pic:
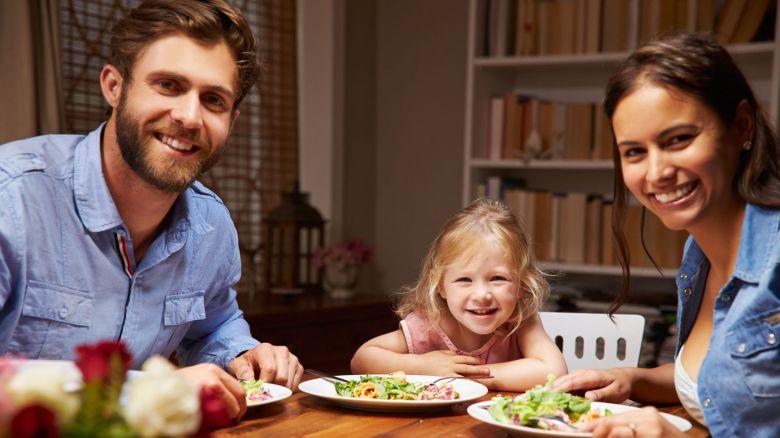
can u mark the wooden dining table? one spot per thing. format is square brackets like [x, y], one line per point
[305, 415]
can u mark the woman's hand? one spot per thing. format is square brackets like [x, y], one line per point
[449, 363]
[612, 385]
[645, 422]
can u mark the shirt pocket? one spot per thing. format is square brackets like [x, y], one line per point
[180, 311]
[755, 345]
[53, 320]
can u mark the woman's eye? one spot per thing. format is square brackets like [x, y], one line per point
[632, 152]
[679, 139]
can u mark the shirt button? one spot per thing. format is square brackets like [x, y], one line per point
[63, 313]
[771, 338]
[741, 348]
[683, 276]
[687, 291]
[707, 402]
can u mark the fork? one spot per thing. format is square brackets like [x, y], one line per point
[325, 375]
[558, 421]
[550, 418]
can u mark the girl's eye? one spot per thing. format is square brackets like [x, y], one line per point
[463, 280]
[498, 278]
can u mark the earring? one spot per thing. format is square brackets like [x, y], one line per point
[747, 145]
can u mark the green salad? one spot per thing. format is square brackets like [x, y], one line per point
[526, 409]
[254, 390]
[395, 387]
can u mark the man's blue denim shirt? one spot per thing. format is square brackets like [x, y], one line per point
[62, 277]
[739, 380]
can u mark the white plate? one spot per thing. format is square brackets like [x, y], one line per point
[478, 411]
[278, 393]
[468, 390]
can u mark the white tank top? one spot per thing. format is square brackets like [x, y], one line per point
[686, 391]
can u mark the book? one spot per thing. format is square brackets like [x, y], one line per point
[728, 19]
[496, 131]
[542, 228]
[593, 229]
[705, 15]
[608, 242]
[603, 143]
[750, 21]
[614, 20]
[573, 228]
[578, 131]
[593, 26]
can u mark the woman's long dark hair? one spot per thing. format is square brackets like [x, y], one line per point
[696, 65]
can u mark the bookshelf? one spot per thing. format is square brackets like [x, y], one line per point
[570, 73]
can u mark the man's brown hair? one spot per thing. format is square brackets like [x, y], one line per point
[206, 21]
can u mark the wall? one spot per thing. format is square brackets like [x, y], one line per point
[404, 181]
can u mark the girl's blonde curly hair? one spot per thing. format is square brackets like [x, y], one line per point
[483, 219]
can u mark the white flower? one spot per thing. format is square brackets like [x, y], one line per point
[45, 384]
[160, 402]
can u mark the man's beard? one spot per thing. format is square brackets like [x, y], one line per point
[162, 172]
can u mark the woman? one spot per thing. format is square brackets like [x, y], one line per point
[695, 149]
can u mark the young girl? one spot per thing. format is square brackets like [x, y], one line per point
[473, 311]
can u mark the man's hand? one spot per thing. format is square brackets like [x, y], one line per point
[449, 363]
[275, 364]
[211, 376]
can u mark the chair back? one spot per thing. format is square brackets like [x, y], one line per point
[592, 340]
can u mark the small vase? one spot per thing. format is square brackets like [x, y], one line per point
[340, 280]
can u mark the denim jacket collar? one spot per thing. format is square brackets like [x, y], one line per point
[756, 246]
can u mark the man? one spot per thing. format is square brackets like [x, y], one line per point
[108, 236]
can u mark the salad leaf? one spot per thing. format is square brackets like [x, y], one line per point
[541, 401]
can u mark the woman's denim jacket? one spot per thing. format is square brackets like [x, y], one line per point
[739, 380]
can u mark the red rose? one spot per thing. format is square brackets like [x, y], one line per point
[95, 361]
[213, 413]
[34, 421]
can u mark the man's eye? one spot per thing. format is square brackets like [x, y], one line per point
[215, 102]
[167, 85]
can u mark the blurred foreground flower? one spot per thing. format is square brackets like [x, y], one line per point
[161, 402]
[34, 401]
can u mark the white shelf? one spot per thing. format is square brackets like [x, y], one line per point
[740, 52]
[580, 60]
[480, 163]
[605, 270]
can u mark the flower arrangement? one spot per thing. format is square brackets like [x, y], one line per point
[36, 401]
[343, 255]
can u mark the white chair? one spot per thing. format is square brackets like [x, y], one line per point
[592, 340]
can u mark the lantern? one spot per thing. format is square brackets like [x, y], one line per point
[293, 233]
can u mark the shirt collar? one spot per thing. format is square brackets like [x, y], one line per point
[757, 242]
[94, 203]
[96, 206]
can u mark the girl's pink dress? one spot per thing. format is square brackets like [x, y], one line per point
[422, 337]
